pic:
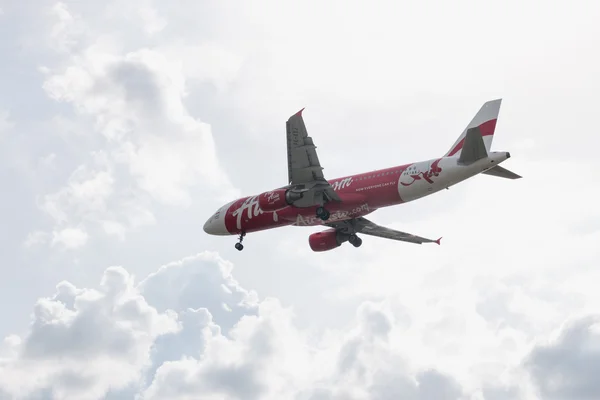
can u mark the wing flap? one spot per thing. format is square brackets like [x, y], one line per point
[364, 226]
[370, 228]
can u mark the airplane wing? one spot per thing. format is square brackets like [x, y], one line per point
[363, 225]
[304, 168]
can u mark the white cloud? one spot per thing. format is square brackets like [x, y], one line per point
[123, 339]
[567, 368]
[64, 34]
[70, 238]
[89, 198]
[35, 238]
[86, 194]
[197, 282]
[153, 22]
[114, 228]
[136, 102]
[48, 161]
[151, 147]
[217, 64]
[84, 341]
[164, 342]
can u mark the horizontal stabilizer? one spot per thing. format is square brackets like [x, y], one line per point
[473, 148]
[501, 172]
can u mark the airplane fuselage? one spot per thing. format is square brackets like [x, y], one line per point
[361, 194]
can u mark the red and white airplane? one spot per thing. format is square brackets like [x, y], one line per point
[341, 204]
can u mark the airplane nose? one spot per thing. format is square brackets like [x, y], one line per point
[206, 226]
[215, 226]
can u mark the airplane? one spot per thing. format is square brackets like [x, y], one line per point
[342, 203]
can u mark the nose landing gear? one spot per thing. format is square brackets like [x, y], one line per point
[239, 246]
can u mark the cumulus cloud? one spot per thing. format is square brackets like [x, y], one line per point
[193, 283]
[169, 336]
[568, 367]
[68, 27]
[149, 149]
[70, 238]
[35, 238]
[82, 342]
[125, 337]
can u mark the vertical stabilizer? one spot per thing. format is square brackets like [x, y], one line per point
[485, 121]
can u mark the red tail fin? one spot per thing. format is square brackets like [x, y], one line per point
[485, 119]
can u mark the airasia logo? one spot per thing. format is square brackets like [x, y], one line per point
[250, 208]
[272, 197]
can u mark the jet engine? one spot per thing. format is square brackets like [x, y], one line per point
[331, 238]
[275, 200]
[326, 240]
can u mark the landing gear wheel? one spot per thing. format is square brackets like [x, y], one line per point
[323, 213]
[239, 244]
[355, 240]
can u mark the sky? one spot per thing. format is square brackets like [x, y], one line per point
[125, 125]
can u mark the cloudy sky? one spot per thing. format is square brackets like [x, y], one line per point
[124, 125]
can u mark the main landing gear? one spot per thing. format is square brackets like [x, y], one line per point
[355, 240]
[239, 244]
[322, 213]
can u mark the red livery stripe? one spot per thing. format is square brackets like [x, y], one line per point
[487, 129]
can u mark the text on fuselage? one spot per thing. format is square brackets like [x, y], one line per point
[342, 183]
[272, 197]
[250, 204]
[254, 210]
[335, 216]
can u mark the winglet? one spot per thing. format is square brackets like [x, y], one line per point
[438, 241]
[299, 113]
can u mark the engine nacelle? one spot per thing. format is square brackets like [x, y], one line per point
[275, 200]
[326, 240]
